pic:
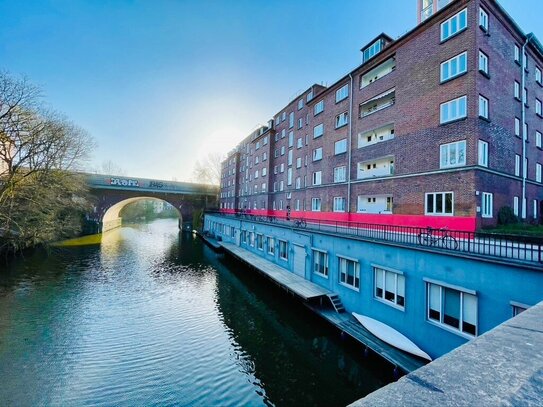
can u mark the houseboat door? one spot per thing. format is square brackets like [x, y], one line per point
[299, 260]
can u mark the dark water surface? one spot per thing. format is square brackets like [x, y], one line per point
[153, 317]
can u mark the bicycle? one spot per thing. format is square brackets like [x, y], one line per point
[429, 238]
[300, 223]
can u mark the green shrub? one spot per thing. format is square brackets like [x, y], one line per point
[506, 216]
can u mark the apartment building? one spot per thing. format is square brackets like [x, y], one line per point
[440, 127]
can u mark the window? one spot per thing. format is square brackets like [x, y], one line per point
[299, 162]
[320, 262]
[317, 178]
[538, 75]
[538, 107]
[291, 120]
[453, 110]
[340, 146]
[318, 130]
[289, 157]
[298, 183]
[515, 205]
[340, 174]
[342, 93]
[372, 50]
[483, 107]
[318, 108]
[517, 90]
[265, 141]
[309, 96]
[483, 153]
[339, 204]
[244, 236]
[283, 133]
[271, 245]
[454, 25]
[452, 308]
[281, 185]
[517, 54]
[259, 242]
[299, 143]
[483, 19]
[342, 120]
[535, 208]
[517, 165]
[517, 127]
[486, 210]
[483, 62]
[454, 66]
[518, 308]
[290, 139]
[283, 250]
[315, 204]
[252, 239]
[282, 150]
[389, 286]
[452, 154]
[289, 176]
[538, 139]
[349, 272]
[317, 154]
[439, 203]
[300, 123]
[538, 172]
[300, 104]
[256, 160]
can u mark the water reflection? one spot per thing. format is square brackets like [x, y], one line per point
[152, 317]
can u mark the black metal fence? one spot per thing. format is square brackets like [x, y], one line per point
[515, 247]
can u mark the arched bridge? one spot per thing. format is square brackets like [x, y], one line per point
[113, 193]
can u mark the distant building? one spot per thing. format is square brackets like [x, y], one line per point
[427, 131]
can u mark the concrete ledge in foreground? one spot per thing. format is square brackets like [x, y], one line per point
[503, 367]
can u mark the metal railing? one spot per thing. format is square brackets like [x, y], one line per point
[513, 247]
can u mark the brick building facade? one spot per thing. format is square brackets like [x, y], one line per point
[427, 131]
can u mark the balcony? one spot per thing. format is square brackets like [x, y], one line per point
[378, 72]
[375, 136]
[377, 103]
[382, 167]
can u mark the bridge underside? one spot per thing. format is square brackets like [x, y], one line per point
[109, 203]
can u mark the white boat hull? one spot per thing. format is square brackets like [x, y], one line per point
[390, 336]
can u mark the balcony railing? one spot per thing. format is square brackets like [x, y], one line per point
[376, 108]
[525, 249]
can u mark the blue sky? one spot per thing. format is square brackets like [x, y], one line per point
[160, 83]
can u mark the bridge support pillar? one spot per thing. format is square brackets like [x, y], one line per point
[111, 224]
[185, 226]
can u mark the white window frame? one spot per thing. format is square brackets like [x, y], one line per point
[320, 262]
[434, 211]
[483, 107]
[538, 75]
[340, 173]
[538, 172]
[517, 53]
[487, 205]
[342, 119]
[340, 146]
[445, 154]
[380, 276]
[454, 67]
[483, 19]
[517, 90]
[317, 178]
[455, 22]
[317, 154]
[283, 243]
[318, 130]
[270, 242]
[538, 139]
[517, 165]
[342, 93]
[318, 108]
[482, 152]
[483, 62]
[300, 104]
[515, 205]
[339, 204]
[538, 107]
[454, 109]
[316, 205]
[517, 127]
[343, 272]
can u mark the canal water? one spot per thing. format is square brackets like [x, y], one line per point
[154, 317]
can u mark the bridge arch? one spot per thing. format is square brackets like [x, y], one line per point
[112, 219]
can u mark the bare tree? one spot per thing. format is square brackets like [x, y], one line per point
[41, 151]
[208, 170]
[110, 168]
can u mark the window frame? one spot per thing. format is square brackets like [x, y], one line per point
[337, 171]
[448, 147]
[318, 108]
[484, 104]
[343, 141]
[356, 272]
[443, 200]
[321, 129]
[382, 298]
[342, 93]
[449, 22]
[316, 205]
[458, 116]
[285, 244]
[448, 65]
[487, 205]
[462, 292]
[339, 199]
[483, 19]
[322, 255]
[482, 156]
[271, 247]
[486, 68]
